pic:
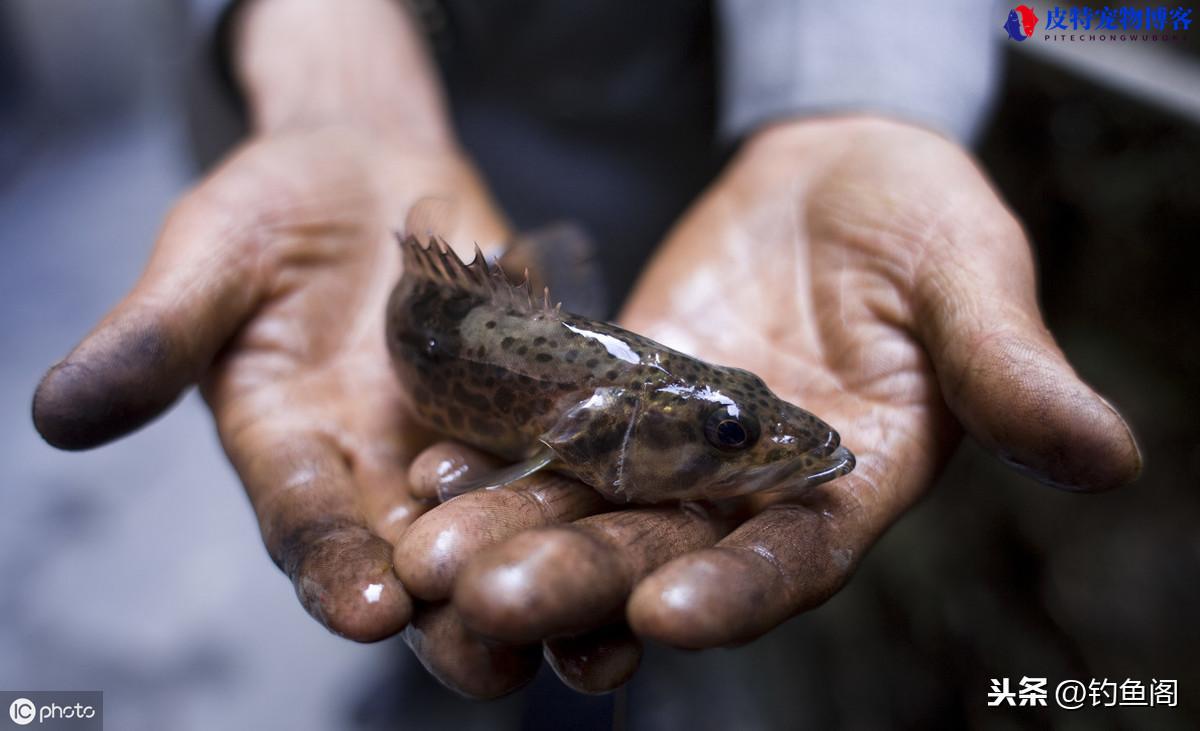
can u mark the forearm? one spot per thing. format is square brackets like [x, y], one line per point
[311, 62]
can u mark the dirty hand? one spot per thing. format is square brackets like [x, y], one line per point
[869, 273]
[267, 287]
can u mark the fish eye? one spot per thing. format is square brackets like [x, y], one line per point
[730, 431]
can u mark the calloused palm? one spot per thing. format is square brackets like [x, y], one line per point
[267, 287]
[867, 271]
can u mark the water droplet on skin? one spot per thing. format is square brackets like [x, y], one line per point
[302, 477]
[399, 514]
[512, 579]
[372, 593]
[842, 558]
[680, 596]
[444, 543]
[448, 471]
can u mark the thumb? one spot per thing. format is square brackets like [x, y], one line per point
[1004, 377]
[464, 220]
[199, 286]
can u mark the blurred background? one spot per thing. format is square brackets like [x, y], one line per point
[137, 568]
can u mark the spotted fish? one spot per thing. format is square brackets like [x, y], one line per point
[485, 362]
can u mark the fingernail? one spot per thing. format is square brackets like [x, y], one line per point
[1085, 465]
[1137, 450]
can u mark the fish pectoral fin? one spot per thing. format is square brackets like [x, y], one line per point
[499, 477]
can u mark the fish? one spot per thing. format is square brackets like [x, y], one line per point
[485, 362]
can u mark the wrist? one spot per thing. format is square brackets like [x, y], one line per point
[306, 63]
[817, 131]
[805, 148]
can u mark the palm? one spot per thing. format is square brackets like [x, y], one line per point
[795, 289]
[310, 366]
[268, 287]
[307, 405]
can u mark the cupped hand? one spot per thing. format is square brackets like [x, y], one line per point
[267, 288]
[869, 273]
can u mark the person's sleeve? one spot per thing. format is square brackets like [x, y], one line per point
[930, 62]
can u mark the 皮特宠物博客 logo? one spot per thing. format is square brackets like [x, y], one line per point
[1021, 22]
[1108, 23]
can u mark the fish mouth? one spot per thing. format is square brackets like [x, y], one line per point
[839, 462]
[796, 480]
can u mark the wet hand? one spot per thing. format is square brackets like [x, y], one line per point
[267, 288]
[868, 272]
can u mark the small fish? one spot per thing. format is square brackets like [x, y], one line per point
[486, 363]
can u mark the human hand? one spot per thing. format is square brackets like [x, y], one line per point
[868, 272]
[267, 287]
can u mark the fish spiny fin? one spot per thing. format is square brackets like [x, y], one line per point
[439, 263]
[448, 263]
[479, 270]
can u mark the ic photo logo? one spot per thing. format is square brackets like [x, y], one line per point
[52, 710]
[22, 711]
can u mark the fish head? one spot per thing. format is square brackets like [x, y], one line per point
[681, 441]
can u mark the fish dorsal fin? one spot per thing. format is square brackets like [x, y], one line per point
[437, 262]
[563, 256]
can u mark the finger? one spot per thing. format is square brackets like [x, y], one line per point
[197, 289]
[467, 218]
[569, 579]
[443, 464]
[790, 557]
[384, 447]
[387, 507]
[302, 492]
[596, 662]
[463, 662]
[432, 551]
[1004, 377]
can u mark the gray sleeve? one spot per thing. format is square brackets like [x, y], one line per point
[931, 62]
